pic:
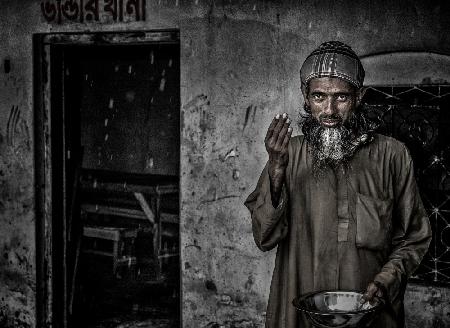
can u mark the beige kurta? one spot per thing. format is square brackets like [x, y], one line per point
[343, 231]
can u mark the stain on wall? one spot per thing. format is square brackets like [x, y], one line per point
[239, 67]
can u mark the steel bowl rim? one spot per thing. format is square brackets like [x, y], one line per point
[296, 304]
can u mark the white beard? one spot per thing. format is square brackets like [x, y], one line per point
[332, 145]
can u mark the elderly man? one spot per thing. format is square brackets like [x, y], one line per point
[340, 202]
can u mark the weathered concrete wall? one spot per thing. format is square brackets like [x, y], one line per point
[17, 237]
[239, 67]
[427, 307]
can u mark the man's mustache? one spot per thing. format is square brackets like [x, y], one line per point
[330, 117]
[334, 117]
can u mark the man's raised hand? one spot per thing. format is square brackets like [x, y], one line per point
[276, 141]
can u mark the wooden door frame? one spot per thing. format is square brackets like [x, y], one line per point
[44, 45]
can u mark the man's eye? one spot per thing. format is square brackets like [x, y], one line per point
[342, 97]
[317, 97]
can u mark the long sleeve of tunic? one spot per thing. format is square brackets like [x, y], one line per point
[348, 228]
[269, 224]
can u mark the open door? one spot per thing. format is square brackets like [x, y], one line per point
[107, 170]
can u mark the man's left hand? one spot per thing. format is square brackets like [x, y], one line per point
[372, 291]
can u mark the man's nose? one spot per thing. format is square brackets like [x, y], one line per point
[330, 107]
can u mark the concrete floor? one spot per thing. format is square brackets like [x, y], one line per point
[159, 318]
[149, 323]
[163, 315]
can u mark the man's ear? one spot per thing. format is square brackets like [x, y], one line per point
[360, 94]
[305, 94]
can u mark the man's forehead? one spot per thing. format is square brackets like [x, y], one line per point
[330, 84]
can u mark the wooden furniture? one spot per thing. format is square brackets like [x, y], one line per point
[121, 248]
[150, 208]
[168, 228]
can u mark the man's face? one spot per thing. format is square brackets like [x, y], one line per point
[331, 100]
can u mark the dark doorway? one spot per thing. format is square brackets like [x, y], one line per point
[107, 169]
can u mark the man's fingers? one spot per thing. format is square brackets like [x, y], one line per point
[282, 134]
[280, 124]
[287, 137]
[372, 289]
[275, 132]
[272, 127]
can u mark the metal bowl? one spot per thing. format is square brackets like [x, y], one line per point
[337, 308]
